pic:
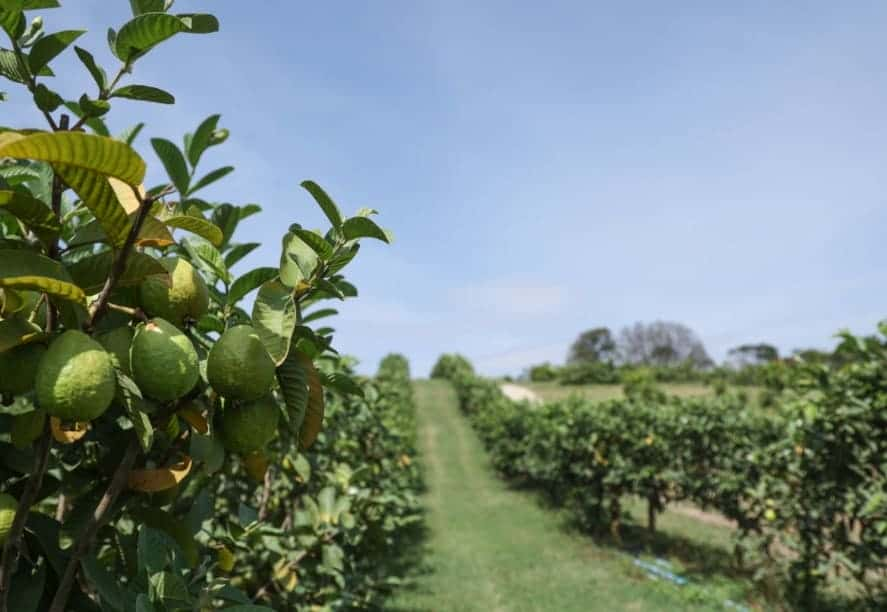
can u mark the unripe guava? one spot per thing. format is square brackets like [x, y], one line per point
[164, 362]
[186, 295]
[249, 426]
[770, 514]
[238, 366]
[18, 368]
[117, 342]
[8, 507]
[75, 379]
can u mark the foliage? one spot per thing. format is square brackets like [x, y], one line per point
[543, 372]
[451, 366]
[661, 343]
[805, 484]
[325, 527]
[595, 344]
[144, 508]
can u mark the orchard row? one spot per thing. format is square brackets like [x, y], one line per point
[805, 483]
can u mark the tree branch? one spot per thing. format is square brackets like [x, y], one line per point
[266, 494]
[119, 266]
[96, 521]
[29, 497]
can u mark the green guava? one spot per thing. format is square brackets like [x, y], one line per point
[18, 368]
[117, 343]
[75, 379]
[186, 295]
[8, 507]
[249, 426]
[238, 366]
[164, 362]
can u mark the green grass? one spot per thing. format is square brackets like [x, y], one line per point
[490, 547]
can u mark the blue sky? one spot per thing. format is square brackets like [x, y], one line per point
[547, 167]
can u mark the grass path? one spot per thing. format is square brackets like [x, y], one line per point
[490, 548]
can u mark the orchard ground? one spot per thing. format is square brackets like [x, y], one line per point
[553, 391]
[492, 547]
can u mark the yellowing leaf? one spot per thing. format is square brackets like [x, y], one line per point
[89, 152]
[154, 233]
[194, 418]
[64, 434]
[151, 481]
[21, 269]
[15, 331]
[313, 421]
[84, 161]
[98, 196]
[125, 194]
[225, 559]
[256, 465]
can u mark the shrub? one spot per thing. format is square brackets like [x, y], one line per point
[805, 482]
[133, 502]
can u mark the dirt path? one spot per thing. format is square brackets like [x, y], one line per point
[519, 393]
[494, 549]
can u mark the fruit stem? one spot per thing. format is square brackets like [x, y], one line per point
[135, 313]
[29, 496]
[95, 522]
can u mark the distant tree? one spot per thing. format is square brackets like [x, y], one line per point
[595, 344]
[661, 343]
[752, 354]
[543, 372]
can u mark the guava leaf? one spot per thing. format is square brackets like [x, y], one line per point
[317, 243]
[297, 260]
[248, 282]
[141, 34]
[197, 225]
[274, 318]
[15, 331]
[202, 138]
[36, 215]
[91, 272]
[48, 47]
[303, 394]
[21, 269]
[174, 163]
[98, 196]
[211, 178]
[144, 93]
[85, 151]
[364, 227]
[325, 202]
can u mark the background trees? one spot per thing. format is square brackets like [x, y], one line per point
[595, 344]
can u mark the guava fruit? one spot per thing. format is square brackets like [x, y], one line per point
[238, 366]
[75, 379]
[18, 368]
[186, 295]
[163, 360]
[249, 426]
[8, 507]
[117, 343]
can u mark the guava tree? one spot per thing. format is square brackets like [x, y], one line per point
[130, 372]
